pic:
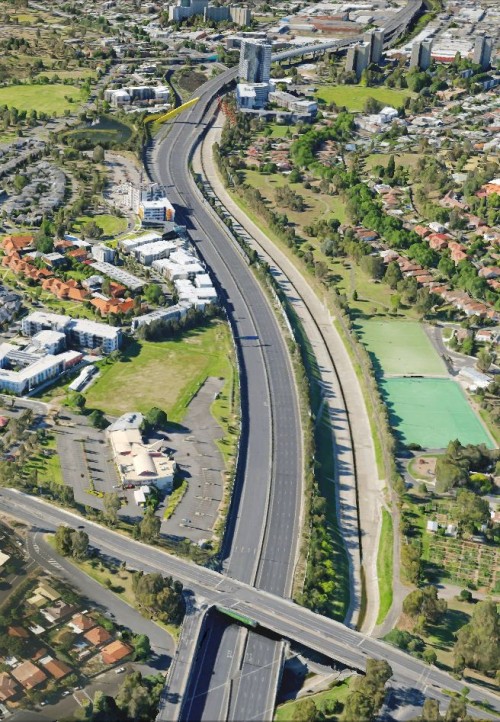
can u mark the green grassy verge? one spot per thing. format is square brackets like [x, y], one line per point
[384, 565]
[48, 468]
[324, 701]
[175, 498]
[117, 580]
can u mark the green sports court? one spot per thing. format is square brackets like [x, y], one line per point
[400, 347]
[431, 412]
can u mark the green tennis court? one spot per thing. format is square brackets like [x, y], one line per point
[431, 412]
[400, 347]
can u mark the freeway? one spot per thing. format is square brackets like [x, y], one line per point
[282, 616]
[261, 541]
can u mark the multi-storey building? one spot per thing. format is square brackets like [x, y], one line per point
[482, 51]
[81, 333]
[255, 61]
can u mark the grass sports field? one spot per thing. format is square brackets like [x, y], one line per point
[51, 99]
[354, 96]
[164, 374]
[400, 347]
[431, 412]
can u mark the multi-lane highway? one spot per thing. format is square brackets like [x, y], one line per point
[262, 536]
[260, 545]
[272, 612]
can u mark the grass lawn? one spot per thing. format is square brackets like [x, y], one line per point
[48, 468]
[50, 99]
[322, 700]
[400, 347]
[442, 636]
[110, 225]
[408, 160]
[384, 565]
[165, 374]
[281, 131]
[354, 96]
[431, 412]
[63, 74]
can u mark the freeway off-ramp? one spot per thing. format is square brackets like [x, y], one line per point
[280, 615]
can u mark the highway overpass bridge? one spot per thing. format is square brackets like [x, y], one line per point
[281, 616]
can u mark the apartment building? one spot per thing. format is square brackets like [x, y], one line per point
[81, 333]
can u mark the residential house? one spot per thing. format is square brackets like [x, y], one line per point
[57, 612]
[29, 675]
[115, 651]
[17, 631]
[8, 687]
[55, 667]
[421, 231]
[15, 244]
[489, 272]
[81, 623]
[48, 592]
[97, 636]
[438, 241]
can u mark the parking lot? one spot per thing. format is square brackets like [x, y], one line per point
[86, 460]
[196, 451]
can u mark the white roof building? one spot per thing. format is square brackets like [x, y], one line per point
[137, 461]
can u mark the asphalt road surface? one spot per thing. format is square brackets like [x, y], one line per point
[332, 639]
[263, 531]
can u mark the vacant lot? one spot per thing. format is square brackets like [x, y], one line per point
[164, 374]
[400, 347]
[318, 206]
[50, 99]
[431, 412]
[354, 96]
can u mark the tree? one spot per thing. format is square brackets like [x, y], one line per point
[78, 400]
[478, 642]
[425, 602]
[156, 418]
[393, 275]
[92, 230]
[305, 711]
[391, 167]
[63, 540]
[142, 647]
[373, 265]
[79, 545]
[149, 527]
[470, 510]
[372, 106]
[484, 360]
[430, 711]
[449, 474]
[112, 506]
[359, 708]
[98, 154]
[104, 708]
[153, 293]
[97, 419]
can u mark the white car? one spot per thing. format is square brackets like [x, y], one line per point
[119, 670]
